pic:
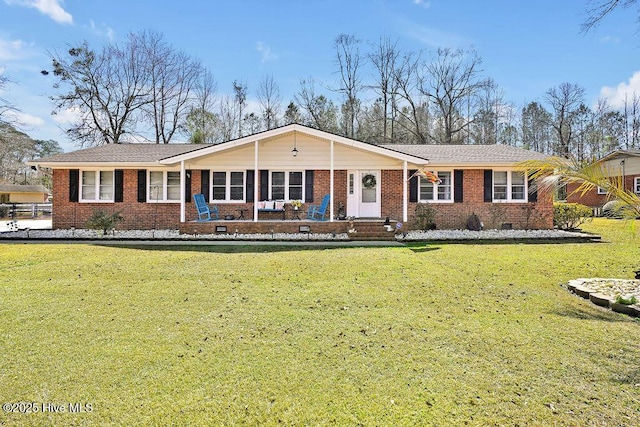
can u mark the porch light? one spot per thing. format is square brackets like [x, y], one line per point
[295, 150]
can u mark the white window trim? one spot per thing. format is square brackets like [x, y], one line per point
[227, 193]
[601, 191]
[435, 188]
[509, 198]
[97, 199]
[636, 184]
[163, 199]
[287, 199]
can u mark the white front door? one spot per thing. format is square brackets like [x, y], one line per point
[363, 193]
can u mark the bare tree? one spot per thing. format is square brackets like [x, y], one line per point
[105, 89]
[5, 106]
[450, 82]
[385, 58]
[411, 111]
[201, 122]
[598, 10]
[348, 60]
[270, 101]
[240, 99]
[321, 113]
[535, 127]
[565, 101]
[173, 77]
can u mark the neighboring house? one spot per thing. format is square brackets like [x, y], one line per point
[621, 163]
[153, 185]
[15, 193]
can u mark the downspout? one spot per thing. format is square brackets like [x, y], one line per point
[405, 204]
[256, 191]
[331, 184]
[182, 192]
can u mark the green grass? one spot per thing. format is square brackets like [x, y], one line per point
[428, 334]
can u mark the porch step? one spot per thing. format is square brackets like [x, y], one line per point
[374, 230]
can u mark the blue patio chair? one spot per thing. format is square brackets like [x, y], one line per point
[205, 213]
[318, 212]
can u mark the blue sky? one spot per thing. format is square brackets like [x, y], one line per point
[527, 47]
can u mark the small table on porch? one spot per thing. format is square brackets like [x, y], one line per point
[296, 214]
[242, 211]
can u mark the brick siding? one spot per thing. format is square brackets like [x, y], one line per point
[538, 215]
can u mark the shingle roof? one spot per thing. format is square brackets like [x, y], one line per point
[138, 154]
[122, 153]
[468, 154]
[16, 188]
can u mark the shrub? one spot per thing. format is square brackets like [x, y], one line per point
[568, 216]
[101, 220]
[425, 218]
[473, 223]
[626, 300]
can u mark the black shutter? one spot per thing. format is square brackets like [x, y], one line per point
[248, 185]
[458, 175]
[413, 187]
[488, 185]
[204, 184]
[74, 184]
[118, 178]
[264, 185]
[308, 186]
[142, 185]
[187, 186]
[533, 191]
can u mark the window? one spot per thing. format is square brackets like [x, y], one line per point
[636, 184]
[433, 192]
[601, 190]
[164, 186]
[287, 185]
[227, 186]
[509, 186]
[97, 186]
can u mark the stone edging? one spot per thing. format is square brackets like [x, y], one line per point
[581, 288]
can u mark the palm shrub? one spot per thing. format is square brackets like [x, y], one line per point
[101, 220]
[568, 216]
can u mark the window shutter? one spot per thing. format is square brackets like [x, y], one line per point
[488, 185]
[187, 185]
[74, 184]
[533, 191]
[248, 185]
[118, 178]
[204, 184]
[413, 187]
[308, 186]
[264, 185]
[142, 185]
[458, 175]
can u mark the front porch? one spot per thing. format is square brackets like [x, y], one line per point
[357, 229]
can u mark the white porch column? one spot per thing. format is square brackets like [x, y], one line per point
[405, 202]
[256, 190]
[182, 193]
[331, 184]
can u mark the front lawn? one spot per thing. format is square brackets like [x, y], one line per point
[442, 334]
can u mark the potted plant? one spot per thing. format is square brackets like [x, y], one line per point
[296, 204]
[342, 215]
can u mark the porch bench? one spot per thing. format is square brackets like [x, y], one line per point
[272, 206]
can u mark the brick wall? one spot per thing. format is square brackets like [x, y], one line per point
[592, 198]
[167, 215]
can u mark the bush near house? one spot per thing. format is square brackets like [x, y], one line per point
[568, 216]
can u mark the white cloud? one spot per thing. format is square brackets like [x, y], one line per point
[101, 30]
[51, 8]
[11, 49]
[265, 51]
[616, 95]
[423, 3]
[24, 119]
[70, 115]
